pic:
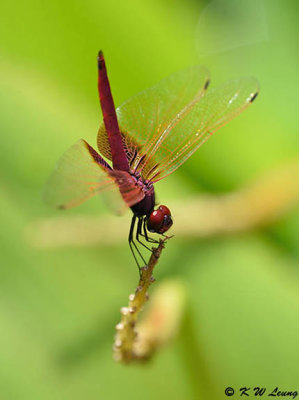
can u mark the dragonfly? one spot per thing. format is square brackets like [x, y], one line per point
[143, 141]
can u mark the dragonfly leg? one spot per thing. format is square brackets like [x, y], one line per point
[131, 239]
[147, 238]
[131, 242]
[167, 237]
[139, 232]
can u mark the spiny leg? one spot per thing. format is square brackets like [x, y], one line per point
[139, 232]
[147, 238]
[131, 241]
[166, 236]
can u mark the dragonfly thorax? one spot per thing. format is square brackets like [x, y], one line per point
[147, 204]
[159, 221]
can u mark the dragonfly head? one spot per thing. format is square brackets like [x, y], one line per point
[159, 220]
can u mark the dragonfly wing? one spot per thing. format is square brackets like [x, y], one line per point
[147, 118]
[81, 173]
[214, 110]
[129, 193]
[164, 125]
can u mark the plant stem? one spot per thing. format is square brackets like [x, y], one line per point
[126, 333]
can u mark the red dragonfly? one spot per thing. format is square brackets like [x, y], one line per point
[147, 138]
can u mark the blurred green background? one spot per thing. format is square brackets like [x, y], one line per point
[59, 306]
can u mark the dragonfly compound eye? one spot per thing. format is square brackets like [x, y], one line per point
[167, 222]
[160, 220]
[165, 210]
[155, 221]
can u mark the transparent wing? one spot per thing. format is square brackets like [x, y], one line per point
[80, 174]
[147, 118]
[164, 125]
[76, 177]
[214, 110]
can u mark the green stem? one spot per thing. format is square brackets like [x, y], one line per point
[126, 332]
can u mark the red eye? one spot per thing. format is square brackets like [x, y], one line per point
[166, 224]
[155, 221]
[159, 220]
[165, 210]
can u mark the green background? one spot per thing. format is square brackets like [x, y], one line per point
[58, 307]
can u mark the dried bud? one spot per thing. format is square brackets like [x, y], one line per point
[132, 297]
